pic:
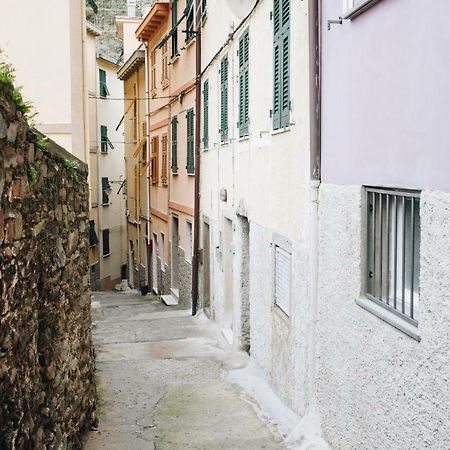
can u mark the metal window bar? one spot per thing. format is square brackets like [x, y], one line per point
[393, 249]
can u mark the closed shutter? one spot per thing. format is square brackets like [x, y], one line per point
[155, 159]
[243, 84]
[174, 127]
[190, 141]
[174, 28]
[283, 279]
[164, 161]
[224, 99]
[281, 98]
[105, 187]
[206, 114]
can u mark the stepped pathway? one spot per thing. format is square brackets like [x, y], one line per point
[160, 385]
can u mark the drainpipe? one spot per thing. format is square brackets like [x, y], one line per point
[315, 177]
[198, 78]
[149, 248]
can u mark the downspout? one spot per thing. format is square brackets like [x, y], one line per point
[315, 177]
[198, 78]
[149, 248]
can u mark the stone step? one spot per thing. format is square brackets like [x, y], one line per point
[175, 292]
[169, 300]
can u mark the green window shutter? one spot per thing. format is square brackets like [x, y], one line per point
[174, 165]
[206, 114]
[190, 165]
[281, 96]
[104, 92]
[105, 239]
[105, 187]
[104, 139]
[174, 28]
[224, 99]
[243, 84]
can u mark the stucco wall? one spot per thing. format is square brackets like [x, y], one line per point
[377, 387]
[385, 96]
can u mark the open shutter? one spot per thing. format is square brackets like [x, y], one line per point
[174, 28]
[103, 86]
[190, 141]
[243, 84]
[174, 164]
[103, 139]
[205, 114]
[224, 99]
[105, 187]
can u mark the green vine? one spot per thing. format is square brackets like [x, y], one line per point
[71, 166]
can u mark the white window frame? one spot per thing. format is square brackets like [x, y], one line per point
[353, 8]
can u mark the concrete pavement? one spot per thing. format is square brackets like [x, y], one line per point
[160, 382]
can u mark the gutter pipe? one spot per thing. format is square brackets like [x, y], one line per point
[198, 79]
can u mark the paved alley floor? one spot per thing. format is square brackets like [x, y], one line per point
[160, 385]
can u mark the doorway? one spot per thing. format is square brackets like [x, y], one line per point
[174, 255]
[228, 273]
[206, 271]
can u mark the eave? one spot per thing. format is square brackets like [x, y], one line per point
[153, 21]
[136, 60]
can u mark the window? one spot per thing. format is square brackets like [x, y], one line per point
[105, 189]
[188, 255]
[281, 99]
[353, 8]
[155, 159]
[224, 99]
[105, 236]
[136, 192]
[144, 143]
[161, 253]
[205, 114]
[190, 17]
[174, 28]
[153, 72]
[164, 160]
[282, 279]
[104, 140]
[93, 239]
[174, 128]
[190, 165]
[243, 84]
[204, 10]
[135, 114]
[393, 249]
[104, 92]
[165, 65]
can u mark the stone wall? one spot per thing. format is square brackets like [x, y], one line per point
[47, 388]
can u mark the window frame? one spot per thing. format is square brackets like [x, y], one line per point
[391, 248]
[352, 10]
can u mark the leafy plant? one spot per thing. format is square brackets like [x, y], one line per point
[42, 144]
[71, 166]
[33, 172]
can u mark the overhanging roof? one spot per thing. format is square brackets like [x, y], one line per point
[136, 60]
[153, 21]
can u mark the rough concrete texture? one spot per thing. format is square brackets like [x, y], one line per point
[163, 278]
[377, 387]
[161, 385]
[185, 279]
[47, 389]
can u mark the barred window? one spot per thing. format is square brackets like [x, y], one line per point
[393, 249]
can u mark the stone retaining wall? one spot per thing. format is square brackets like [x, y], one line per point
[47, 388]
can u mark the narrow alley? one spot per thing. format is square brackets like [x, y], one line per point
[161, 386]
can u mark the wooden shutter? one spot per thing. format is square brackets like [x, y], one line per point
[155, 159]
[282, 279]
[243, 84]
[174, 128]
[164, 160]
[103, 139]
[281, 97]
[224, 99]
[174, 28]
[190, 141]
[103, 86]
[206, 114]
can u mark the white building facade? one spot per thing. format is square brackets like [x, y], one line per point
[255, 184]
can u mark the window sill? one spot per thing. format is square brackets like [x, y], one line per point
[165, 84]
[277, 309]
[106, 204]
[359, 9]
[103, 152]
[280, 130]
[389, 317]
[189, 43]
[175, 173]
[153, 93]
[244, 138]
[106, 256]
[189, 174]
[175, 58]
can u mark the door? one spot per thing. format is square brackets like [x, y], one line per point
[228, 272]
[155, 263]
[206, 271]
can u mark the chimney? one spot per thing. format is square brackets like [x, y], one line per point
[131, 4]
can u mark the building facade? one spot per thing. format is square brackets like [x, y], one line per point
[255, 183]
[384, 202]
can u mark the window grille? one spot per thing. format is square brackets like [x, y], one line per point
[393, 249]
[282, 279]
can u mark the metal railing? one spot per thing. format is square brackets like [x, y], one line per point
[393, 249]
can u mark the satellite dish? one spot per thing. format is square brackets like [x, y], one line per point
[240, 8]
